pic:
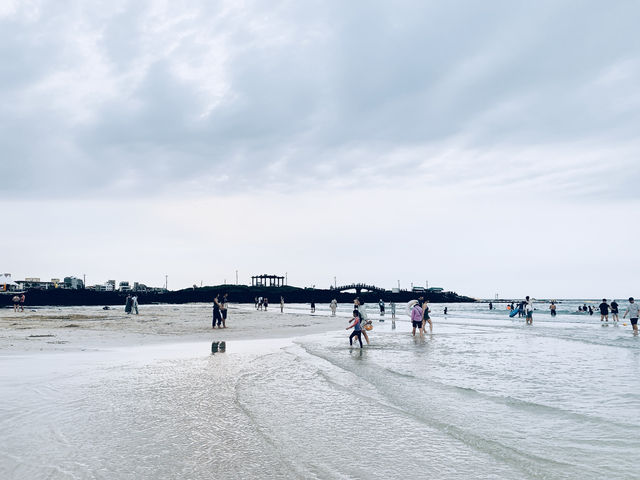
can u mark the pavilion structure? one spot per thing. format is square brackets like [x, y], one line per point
[265, 280]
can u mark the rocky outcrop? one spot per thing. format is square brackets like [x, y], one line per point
[237, 294]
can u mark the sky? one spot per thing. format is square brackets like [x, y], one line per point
[489, 148]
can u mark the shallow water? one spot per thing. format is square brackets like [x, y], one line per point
[483, 397]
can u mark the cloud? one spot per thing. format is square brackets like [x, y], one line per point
[147, 98]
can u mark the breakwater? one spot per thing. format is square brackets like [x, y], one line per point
[237, 294]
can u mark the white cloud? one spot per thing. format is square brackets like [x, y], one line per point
[393, 108]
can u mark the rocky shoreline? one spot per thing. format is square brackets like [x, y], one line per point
[237, 293]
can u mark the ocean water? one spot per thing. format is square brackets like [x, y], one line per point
[485, 396]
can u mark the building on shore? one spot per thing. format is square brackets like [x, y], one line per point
[7, 284]
[265, 280]
[34, 283]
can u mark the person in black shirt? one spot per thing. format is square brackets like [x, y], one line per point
[223, 309]
[614, 311]
[217, 317]
[604, 310]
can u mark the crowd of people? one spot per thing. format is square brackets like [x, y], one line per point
[605, 308]
[262, 303]
[525, 309]
[419, 312]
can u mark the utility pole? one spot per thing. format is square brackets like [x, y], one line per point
[166, 282]
[236, 277]
[285, 279]
[398, 284]
[335, 284]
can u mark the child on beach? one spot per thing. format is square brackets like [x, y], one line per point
[357, 328]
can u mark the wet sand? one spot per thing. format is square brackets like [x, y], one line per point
[65, 329]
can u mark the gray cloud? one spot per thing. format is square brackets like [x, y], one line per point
[145, 97]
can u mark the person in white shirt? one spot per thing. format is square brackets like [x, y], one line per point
[364, 318]
[528, 307]
[633, 311]
[134, 304]
[333, 305]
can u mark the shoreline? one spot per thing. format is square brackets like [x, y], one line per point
[85, 329]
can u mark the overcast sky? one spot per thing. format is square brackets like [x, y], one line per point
[485, 147]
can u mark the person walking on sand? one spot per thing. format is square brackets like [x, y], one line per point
[632, 310]
[333, 306]
[217, 316]
[381, 305]
[552, 307]
[255, 301]
[281, 304]
[364, 318]
[223, 309]
[134, 304]
[614, 311]
[357, 328]
[604, 310]
[416, 318]
[265, 302]
[127, 304]
[392, 305]
[22, 299]
[528, 306]
[426, 317]
[16, 303]
[260, 303]
[313, 306]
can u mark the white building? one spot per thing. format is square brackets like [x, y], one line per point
[6, 284]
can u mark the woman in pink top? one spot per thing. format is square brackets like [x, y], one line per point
[416, 318]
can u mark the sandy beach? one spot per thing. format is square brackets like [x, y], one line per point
[65, 329]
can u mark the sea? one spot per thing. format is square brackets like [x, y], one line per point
[485, 397]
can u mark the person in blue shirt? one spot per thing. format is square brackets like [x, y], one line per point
[357, 328]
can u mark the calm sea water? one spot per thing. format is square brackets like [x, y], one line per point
[483, 397]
